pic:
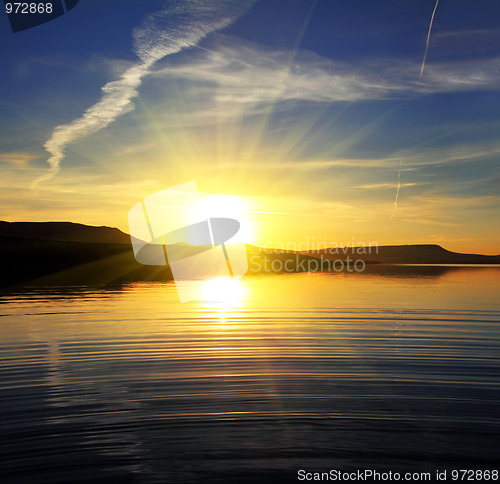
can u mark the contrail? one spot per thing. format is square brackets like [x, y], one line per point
[397, 191]
[182, 25]
[428, 38]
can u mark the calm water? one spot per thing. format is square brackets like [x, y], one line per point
[394, 371]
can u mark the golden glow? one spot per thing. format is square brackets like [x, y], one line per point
[234, 207]
[222, 292]
[292, 184]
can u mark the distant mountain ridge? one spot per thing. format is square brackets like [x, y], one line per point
[83, 259]
[69, 253]
[64, 231]
[405, 254]
[387, 254]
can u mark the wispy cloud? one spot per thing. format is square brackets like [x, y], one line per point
[242, 74]
[397, 189]
[19, 159]
[414, 158]
[382, 186]
[465, 42]
[428, 37]
[245, 74]
[179, 26]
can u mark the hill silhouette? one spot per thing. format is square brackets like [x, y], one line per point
[71, 253]
[405, 254]
[64, 231]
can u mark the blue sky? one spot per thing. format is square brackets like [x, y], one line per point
[309, 111]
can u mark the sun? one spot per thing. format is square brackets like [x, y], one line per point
[231, 206]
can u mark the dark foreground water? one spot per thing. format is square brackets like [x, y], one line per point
[396, 371]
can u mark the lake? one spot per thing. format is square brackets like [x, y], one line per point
[396, 370]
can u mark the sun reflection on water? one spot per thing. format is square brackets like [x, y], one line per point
[222, 294]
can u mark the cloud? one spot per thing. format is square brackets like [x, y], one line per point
[428, 40]
[19, 159]
[414, 158]
[244, 74]
[382, 186]
[468, 42]
[247, 75]
[179, 26]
